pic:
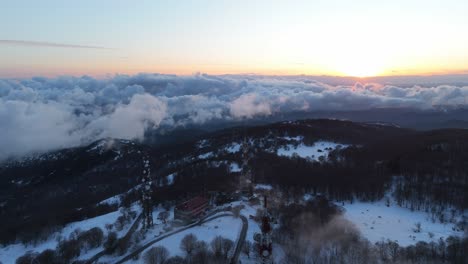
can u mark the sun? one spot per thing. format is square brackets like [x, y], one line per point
[359, 59]
[359, 67]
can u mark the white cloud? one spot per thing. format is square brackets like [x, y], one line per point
[249, 105]
[130, 121]
[41, 114]
[35, 127]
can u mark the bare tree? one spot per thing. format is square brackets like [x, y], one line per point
[247, 248]
[176, 260]
[68, 249]
[111, 241]
[217, 246]
[201, 246]
[27, 258]
[417, 227]
[393, 249]
[92, 238]
[156, 255]
[202, 254]
[188, 243]
[47, 256]
[236, 211]
[163, 216]
[227, 246]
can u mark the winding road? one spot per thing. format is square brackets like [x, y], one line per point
[241, 240]
[234, 258]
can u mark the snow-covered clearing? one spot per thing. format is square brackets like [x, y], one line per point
[320, 148]
[227, 227]
[378, 222]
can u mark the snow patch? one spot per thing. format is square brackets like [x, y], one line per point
[203, 143]
[112, 200]
[11, 252]
[296, 138]
[206, 155]
[170, 178]
[233, 148]
[314, 152]
[263, 187]
[234, 167]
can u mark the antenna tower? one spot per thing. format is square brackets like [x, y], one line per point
[146, 195]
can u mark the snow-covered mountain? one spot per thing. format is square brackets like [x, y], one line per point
[352, 164]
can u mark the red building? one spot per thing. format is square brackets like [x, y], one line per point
[191, 210]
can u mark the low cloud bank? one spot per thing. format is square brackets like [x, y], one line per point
[42, 114]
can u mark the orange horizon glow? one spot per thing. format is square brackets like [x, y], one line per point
[335, 38]
[358, 72]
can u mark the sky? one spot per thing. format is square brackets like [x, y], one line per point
[73, 72]
[339, 38]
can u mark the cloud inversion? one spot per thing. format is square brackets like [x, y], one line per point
[42, 114]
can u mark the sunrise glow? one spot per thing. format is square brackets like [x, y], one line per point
[358, 38]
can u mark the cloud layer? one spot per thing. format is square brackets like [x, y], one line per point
[14, 42]
[41, 114]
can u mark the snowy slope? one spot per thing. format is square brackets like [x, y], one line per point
[10, 253]
[320, 148]
[376, 221]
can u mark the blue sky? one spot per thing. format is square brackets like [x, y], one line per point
[268, 37]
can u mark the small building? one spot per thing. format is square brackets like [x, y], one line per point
[191, 210]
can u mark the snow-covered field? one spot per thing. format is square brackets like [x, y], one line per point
[314, 152]
[378, 222]
[227, 227]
